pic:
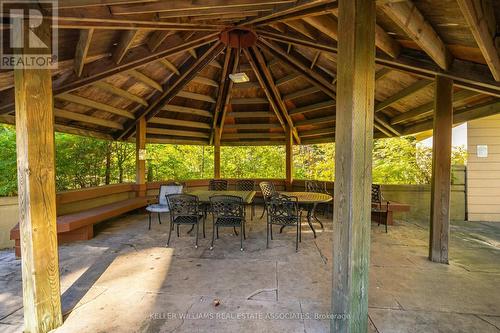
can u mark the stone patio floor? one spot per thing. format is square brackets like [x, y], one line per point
[125, 280]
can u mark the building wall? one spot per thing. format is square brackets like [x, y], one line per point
[483, 173]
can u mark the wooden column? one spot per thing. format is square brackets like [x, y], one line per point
[441, 171]
[140, 164]
[289, 158]
[217, 153]
[353, 162]
[37, 198]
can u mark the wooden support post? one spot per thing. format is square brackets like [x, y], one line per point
[441, 171]
[353, 158]
[289, 158]
[140, 162]
[37, 197]
[217, 153]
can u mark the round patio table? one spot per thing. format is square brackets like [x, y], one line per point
[309, 201]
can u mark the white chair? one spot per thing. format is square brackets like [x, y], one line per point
[162, 206]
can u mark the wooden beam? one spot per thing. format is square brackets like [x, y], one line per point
[409, 18]
[37, 196]
[295, 64]
[195, 96]
[170, 66]
[228, 94]
[289, 158]
[301, 93]
[95, 105]
[249, 100]
[313, 107]
[353, 156]
[177, 141]
[157, 38]
[140, 161]
[82, 49]
[213, 11]
[217, 153]
[266, 80]
[60, 113]
[382, 73]
[480, 16]
[253, 126]
[314, 121]
[90, 3]
[402, 94]
[441, 171]
[126, 39]
[252, 114]
[286, 79]
[206, 81]
[260, 135]
[145, 79]
[172, 132]
[317, 132]
[187, 110]
[222, 92]
[120, 92]
[426, 110]
[178, 122]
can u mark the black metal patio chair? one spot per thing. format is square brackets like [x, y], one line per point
[268, 190]
[320, 187]
[184, 210]
[247, 185]
[284, 211]
[379, 205]
[227, 211]
[217, 185]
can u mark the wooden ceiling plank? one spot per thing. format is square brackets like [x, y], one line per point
[313, 107]
[60, 113]
[177, 141]
[380, 74]
[173, 86]
[314, 121]
[295, 64]
[82, 49]
[316, 132]
[172, 132]
[301, 93]
[253, 126]
[212, 11]
[253, 114]
[477, 12]
[178, 122]
[428, 108]
[269, 135]
[195, 96]
[411, 20]
[89, 3]
[206, 81]
[402, 94]
[95, 105]
[170, 66]
[167, 6]
[145, 79]
[187, 110]
[120, 92]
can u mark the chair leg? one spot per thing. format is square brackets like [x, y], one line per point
[159, 219]
[217, 231]
[149, 217]
[203, 228]
[271, 229]
[196, 241]
[178, 234]
[213, 236]
[267, 233]
[263, 212]
[244, 230]
[170, 232]
[297, 238]
[241, 236]
[235, 232]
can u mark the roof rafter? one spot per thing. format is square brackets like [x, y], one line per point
[266, 80]
[222, 92]
[189, 70]
[82, 49]
[227, 95]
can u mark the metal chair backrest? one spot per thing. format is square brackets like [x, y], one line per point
[315, 186]
[227, 206]
[166, 190]
[245, 185]
[376, 193]
[283, 206]
[183, 205]
[217, 185]
[267, 189]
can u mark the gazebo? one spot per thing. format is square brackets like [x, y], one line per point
[259, 72]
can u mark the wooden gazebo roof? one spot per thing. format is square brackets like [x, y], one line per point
[120, 60]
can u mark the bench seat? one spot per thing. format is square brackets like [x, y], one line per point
[79, 226]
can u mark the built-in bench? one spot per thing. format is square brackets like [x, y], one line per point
[73, 226]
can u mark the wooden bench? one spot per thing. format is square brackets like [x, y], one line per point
[393, 207]
[80, 226]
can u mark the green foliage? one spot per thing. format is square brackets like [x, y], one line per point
[84, 162]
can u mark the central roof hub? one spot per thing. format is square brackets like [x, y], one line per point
[238, 38]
